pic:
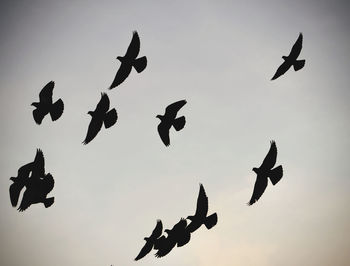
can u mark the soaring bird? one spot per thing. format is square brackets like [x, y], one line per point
[100, 116]
[291, 59]
[200, 217]
[38, 185]
[130, 60]
[165, 244]
[19, 182]
[45, 106]
[169, 119]
[151, 240]
[264, 172]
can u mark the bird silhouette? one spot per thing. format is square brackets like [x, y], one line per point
[38, 185]
[165, 244]
[169, 119]
[100, 116]
[183, 234]
[264, 172]
[45, 105]
[291, 59]
[150, 241]
[130, 60]
[200, 217]
[19, 182]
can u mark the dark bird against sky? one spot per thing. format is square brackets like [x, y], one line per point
[19, 182]
[130, 60]
[264, 172]
[100, 116]
[169, 119]
[291, 59]
[45, 106]
[151, 240]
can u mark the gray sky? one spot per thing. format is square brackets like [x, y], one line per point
[219, 56]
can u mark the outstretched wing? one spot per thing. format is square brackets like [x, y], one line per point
[103, 105]
[173, 108]
[259, 188]
[163, 130]
[270, 158]
[281, 70]
[202, 203]
[38, 170]
[145, 250]
[94, 127]
[157, 230]
[45, 94]
[296, 49]
[134, 46]
[123, 72]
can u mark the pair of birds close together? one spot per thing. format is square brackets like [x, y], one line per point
[180, 234]
[37, 183]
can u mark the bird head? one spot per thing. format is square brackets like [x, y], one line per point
[190, 217]
[90, 113]
[159, 116]
[284, 57]
[146, 238]
[12, 178]
[167, 231]
[255, 170]
[120, 58]
[35, 104]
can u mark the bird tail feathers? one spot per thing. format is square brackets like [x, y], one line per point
[110, 118]
[211, 220]
[56, 110]
[299, 64]
[179, 123]
[48, 202]
[276, 174]
[38, 115]
[140, 64]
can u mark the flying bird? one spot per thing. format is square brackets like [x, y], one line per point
[19, 182]
[291, 59]
[100, 116]
[165, 244]
[169, 119]
[38, 185]
[200, 217]
[130, 60]
[264, 172]
[45, 105]
[151, 240]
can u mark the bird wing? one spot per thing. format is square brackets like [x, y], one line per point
[122, 73]
[202, 203]
[103, 105]
[157, 230]
[163, 130]
[24, 171]
[94, 127]
[134, 46]
[259, 188]
[15, 190]
[45, 94]
[48, 183]
[296, 49]
[145, 250]
[38, 170]
[270, 158]
[281, 70]
[38, 115]
[173, 108]
[26, 201]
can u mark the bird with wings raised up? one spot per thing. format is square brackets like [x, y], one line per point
[169, 119]
[266, 171]
[100, 116]
[129, 61]
[151, 240]
[45, 105]
[291, 59]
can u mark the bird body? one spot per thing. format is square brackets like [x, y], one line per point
[46, 106]
[128, 61]
[100, 116]
[169, 119]
[291, 59]
[266, 171]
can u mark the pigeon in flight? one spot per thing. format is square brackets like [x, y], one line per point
[200, 217]
[130, 60]
[264, 172]
[291, 59]
[100, 116]
[150, 241]
[19, 182]
[45, 106]
[169, 119]
[38, 185]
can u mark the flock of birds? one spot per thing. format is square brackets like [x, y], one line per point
[38, 185]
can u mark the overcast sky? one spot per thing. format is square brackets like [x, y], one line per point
[220, 57]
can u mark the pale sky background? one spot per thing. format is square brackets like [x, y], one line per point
[219, 56]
